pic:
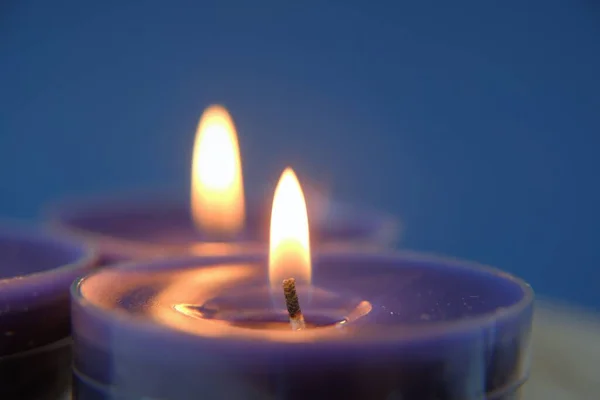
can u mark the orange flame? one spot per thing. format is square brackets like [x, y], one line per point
[217, 193]
[289, 245]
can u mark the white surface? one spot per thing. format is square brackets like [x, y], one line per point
[566, 355]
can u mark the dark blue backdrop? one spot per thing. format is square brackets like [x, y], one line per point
[476, 123]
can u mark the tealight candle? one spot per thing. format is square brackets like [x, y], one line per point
[36, 271]
[365, 325]
[216, 220]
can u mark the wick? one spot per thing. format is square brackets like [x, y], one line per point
[293, 305]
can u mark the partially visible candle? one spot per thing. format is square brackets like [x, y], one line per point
[36, 271]
[217, 219]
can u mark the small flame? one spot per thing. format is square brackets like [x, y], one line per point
[217, 187]
[289, 245]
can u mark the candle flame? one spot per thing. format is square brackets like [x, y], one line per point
[289, 245]
[217, 192]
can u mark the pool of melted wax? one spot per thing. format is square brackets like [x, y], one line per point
[277, 320]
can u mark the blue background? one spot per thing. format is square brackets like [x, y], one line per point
[476, 123]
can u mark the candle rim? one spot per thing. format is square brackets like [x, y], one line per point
[18, 231]
[32, 284]
[410, 333]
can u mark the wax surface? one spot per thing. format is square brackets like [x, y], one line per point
[435, 327]
[412, 297]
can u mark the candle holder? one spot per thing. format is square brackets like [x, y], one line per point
[36, 271]
[141, 227]
[386, 326]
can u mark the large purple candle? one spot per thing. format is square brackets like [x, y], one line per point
[216, 218]
[378, 326]
[36, 271]
[370, 326]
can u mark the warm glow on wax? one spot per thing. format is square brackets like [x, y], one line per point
[289, 245]
[217, 193]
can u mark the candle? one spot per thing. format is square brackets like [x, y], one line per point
[362, 325]
[216, 219]
[36, 271]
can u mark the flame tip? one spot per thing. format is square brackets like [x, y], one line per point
[216, 107]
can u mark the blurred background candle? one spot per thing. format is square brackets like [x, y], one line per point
[36, 271]
[217, 219]
[376, 325]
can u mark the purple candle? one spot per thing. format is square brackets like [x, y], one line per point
[36, 271]
[363, 325]
[215, 219]
[144, 227]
